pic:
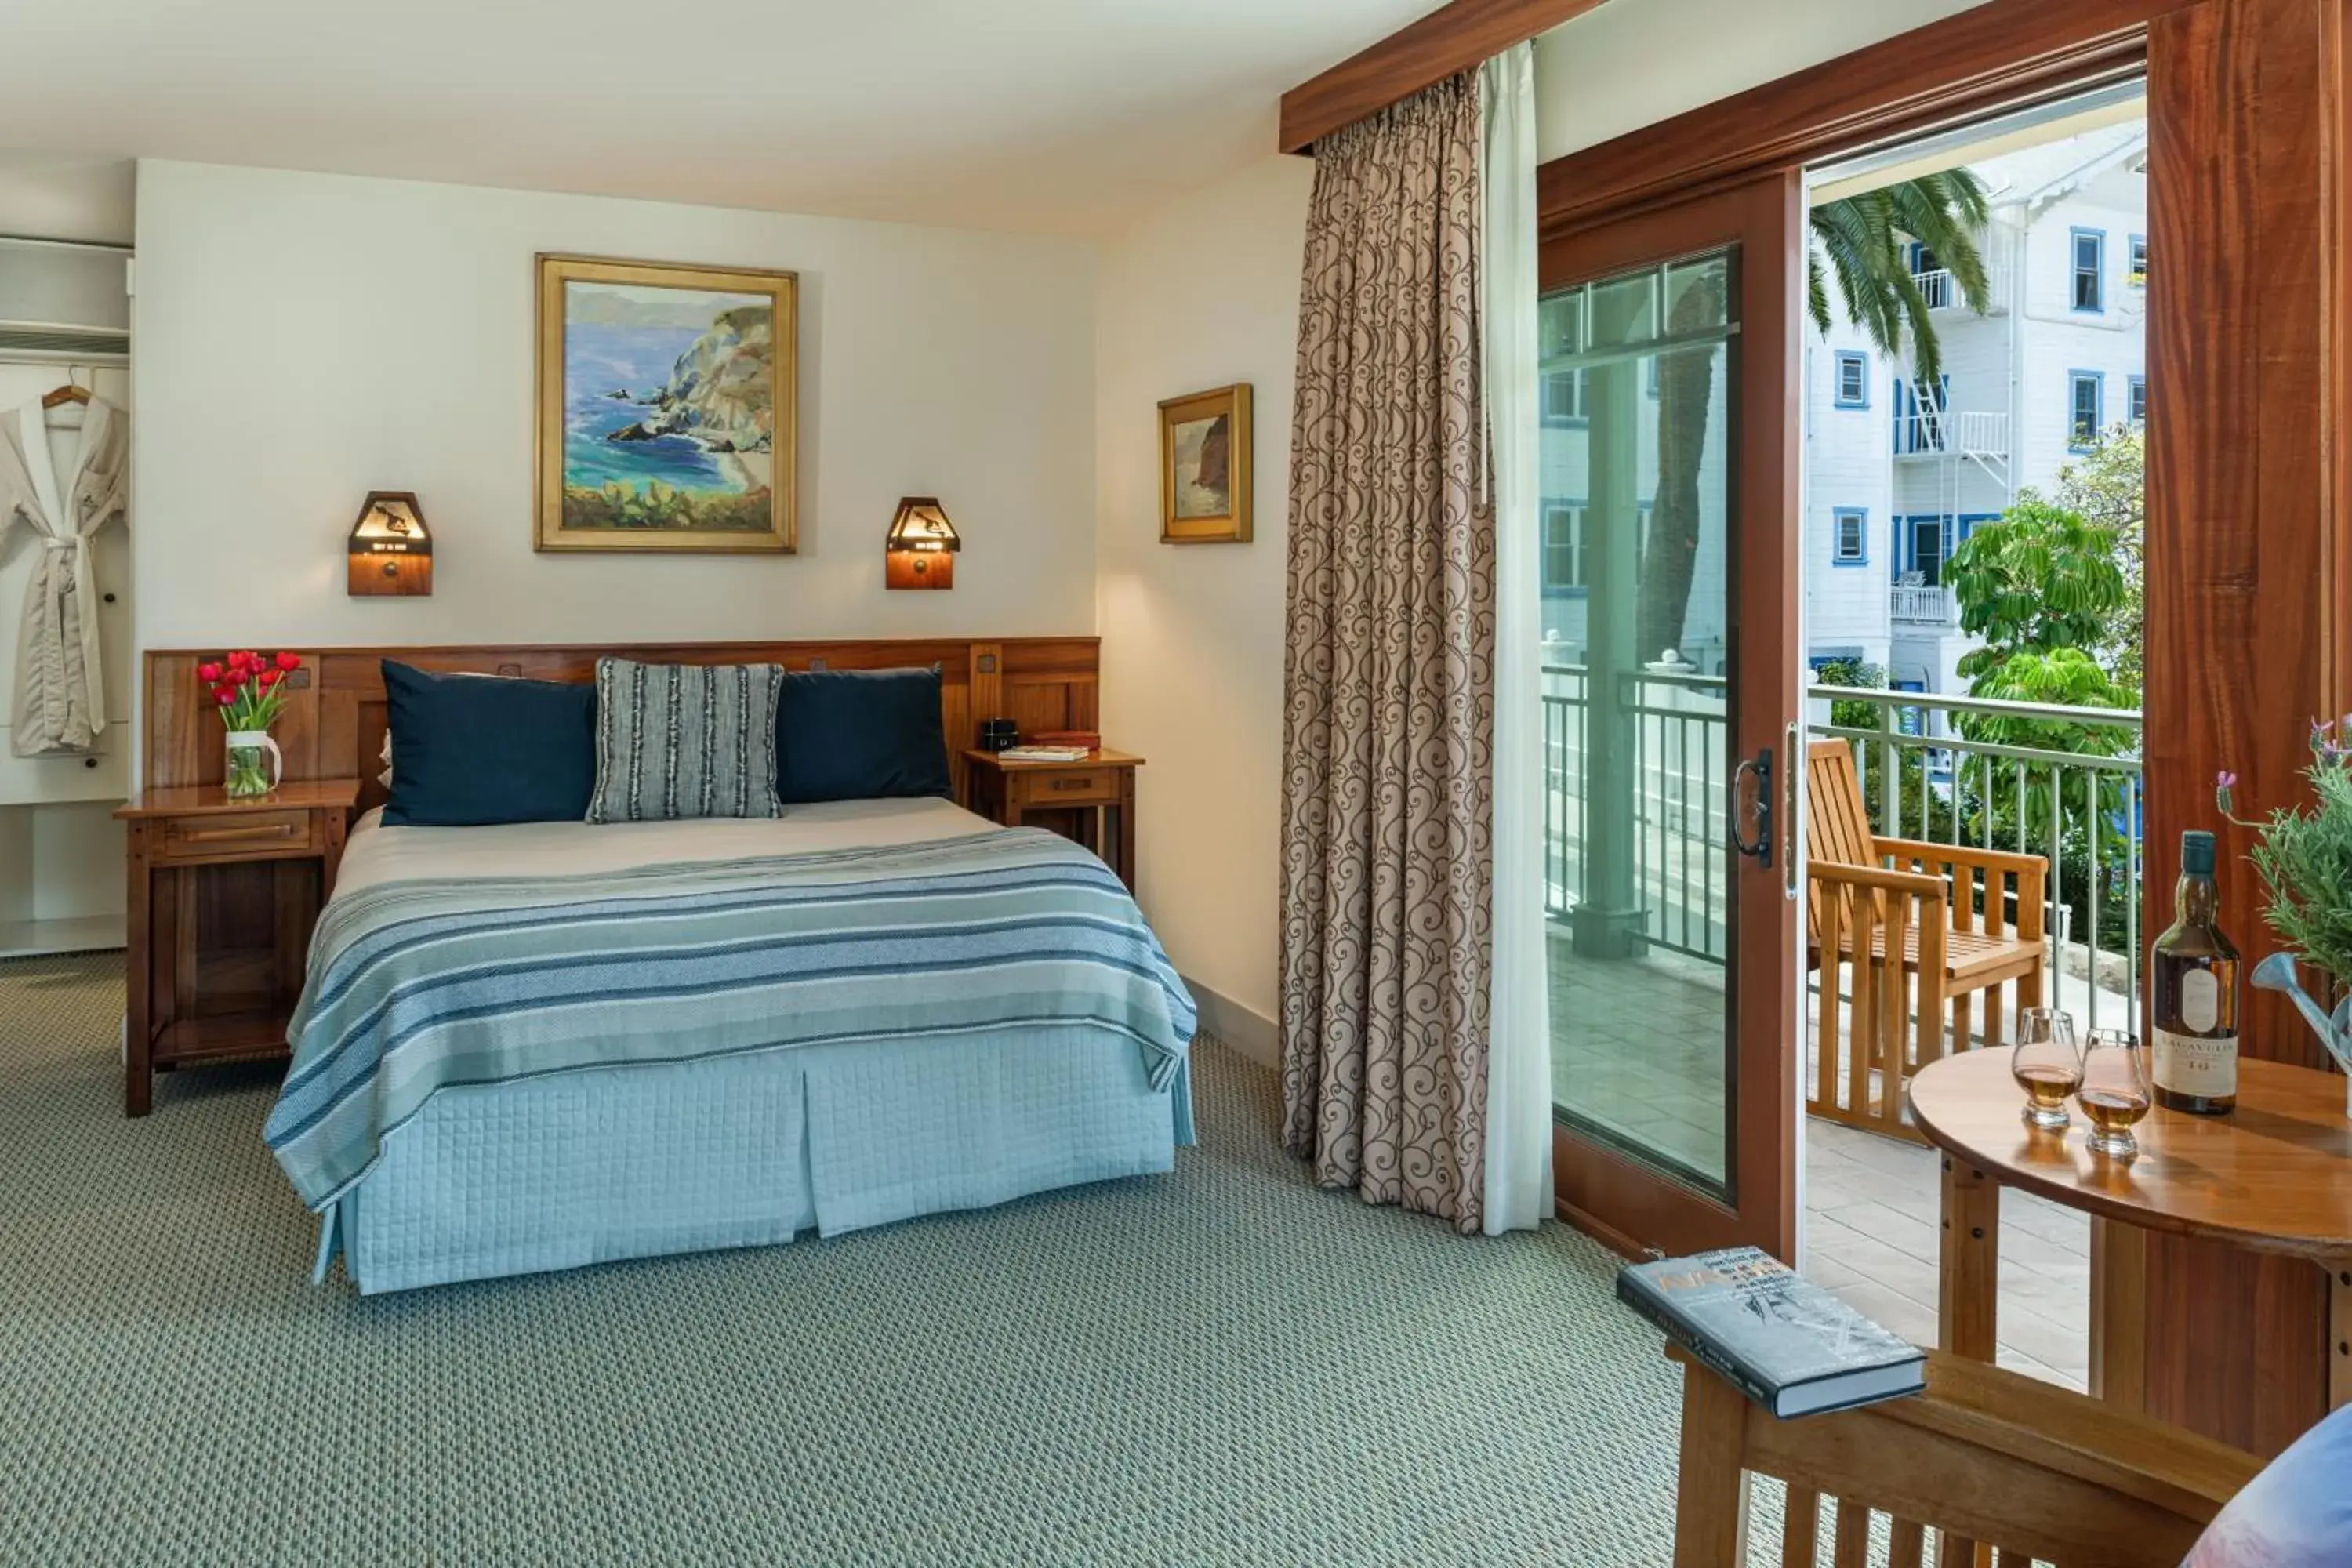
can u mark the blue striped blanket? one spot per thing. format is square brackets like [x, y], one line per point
[417, 984]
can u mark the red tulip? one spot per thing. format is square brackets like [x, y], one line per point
[238, 661]
[289, 661]
[254, 661]
[209, 674]
[225, 695]
[270, 678]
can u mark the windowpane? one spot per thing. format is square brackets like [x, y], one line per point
[2090, 256]
[2139, 400]
[1637, 739]
[1850, 534]
[1853, 379]
[1563, 547]
[2083, 424]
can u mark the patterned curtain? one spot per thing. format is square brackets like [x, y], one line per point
[1388, 678]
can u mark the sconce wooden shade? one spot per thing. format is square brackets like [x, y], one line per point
[921, 548]
[392, 550]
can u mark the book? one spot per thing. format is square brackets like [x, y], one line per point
[1045, 753]
[1781, 1339]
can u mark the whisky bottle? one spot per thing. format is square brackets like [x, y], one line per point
[2194, 974]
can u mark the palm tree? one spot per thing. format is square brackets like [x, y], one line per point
[1866, 240]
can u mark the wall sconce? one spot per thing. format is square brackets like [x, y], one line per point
[392, 550]
[921, 548]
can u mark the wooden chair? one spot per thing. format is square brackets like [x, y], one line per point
[1942, 908]
[2011, 1469]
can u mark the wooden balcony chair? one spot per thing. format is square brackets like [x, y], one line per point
[1944, 909]
[2011, 1469]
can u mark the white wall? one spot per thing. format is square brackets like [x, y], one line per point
[305, 338]
[1203, 294]
[1632, 63]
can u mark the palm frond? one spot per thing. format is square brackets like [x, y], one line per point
[1864, 243]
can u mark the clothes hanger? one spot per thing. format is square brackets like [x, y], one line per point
[71, 391]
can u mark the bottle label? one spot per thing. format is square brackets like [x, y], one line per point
[2191, 1065]
[2200, 1000]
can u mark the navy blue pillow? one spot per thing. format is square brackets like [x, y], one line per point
[860, 734]
[469, 749]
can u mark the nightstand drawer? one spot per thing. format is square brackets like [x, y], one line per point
[238, 833]
[1075, 786]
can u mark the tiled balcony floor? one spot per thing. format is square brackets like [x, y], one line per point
[1638, 1045]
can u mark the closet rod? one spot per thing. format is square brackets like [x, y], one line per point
[43, 242]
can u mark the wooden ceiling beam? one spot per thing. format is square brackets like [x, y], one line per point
[1450, 38]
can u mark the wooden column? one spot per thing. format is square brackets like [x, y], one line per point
[2246, 586]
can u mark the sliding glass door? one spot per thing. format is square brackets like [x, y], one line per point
[1670, 694]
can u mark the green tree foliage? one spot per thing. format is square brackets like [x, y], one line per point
[1852, 712]
[2045, 587]
[2107, 486]
[2041, 579]
[1864, 241]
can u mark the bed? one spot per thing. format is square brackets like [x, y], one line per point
[454, 1113]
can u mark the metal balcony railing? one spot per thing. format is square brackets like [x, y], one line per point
[1942, 290]
[1921, 778]
[1928, 431]
[1918, 605]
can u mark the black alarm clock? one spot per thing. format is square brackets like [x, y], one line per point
[996, 734]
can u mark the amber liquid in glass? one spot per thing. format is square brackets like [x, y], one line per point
[2113, 1111]
[2047, 1086]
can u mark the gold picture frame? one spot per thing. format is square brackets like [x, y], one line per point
[698, 450]
[1204, 467]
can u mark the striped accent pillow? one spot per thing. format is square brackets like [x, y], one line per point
[675, 741]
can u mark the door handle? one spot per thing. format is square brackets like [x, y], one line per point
[1759, 767]
[1788, 744]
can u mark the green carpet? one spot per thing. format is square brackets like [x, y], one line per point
[1224, 1365]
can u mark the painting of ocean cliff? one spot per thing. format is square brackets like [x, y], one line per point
[666, 411]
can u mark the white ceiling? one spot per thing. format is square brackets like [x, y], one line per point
[1055, 116]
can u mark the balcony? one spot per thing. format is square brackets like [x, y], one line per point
[1913, 604]
[1942, 290]
[1933, 432]
[1623, 1029]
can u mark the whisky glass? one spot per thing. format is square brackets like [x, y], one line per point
[2114, 1093]
[2047, 1066]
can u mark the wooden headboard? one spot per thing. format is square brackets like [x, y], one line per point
[333, 725]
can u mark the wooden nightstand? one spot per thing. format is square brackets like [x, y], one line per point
[223, 896]
[1096, 796]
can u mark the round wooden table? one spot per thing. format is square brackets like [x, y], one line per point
[2274, 1176]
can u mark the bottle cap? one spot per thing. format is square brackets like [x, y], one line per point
[2196, 854]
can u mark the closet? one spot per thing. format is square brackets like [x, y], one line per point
[65, 318]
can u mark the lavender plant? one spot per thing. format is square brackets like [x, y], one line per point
[2304, 856]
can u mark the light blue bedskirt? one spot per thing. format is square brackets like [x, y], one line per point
[637, 1160]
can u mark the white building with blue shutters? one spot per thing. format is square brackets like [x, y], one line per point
[1895, 478]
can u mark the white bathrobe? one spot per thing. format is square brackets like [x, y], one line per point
[60, 698]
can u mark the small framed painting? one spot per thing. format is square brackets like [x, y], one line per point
[1205, 467]
[668, 397]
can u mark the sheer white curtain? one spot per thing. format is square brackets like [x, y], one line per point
[1518, 1058]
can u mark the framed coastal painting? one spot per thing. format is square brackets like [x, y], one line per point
[1204, 467]
[666, 405]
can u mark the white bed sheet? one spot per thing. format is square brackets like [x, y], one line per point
[375, 852]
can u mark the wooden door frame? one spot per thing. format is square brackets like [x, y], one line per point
[1610, 1195]
[2248, 625]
